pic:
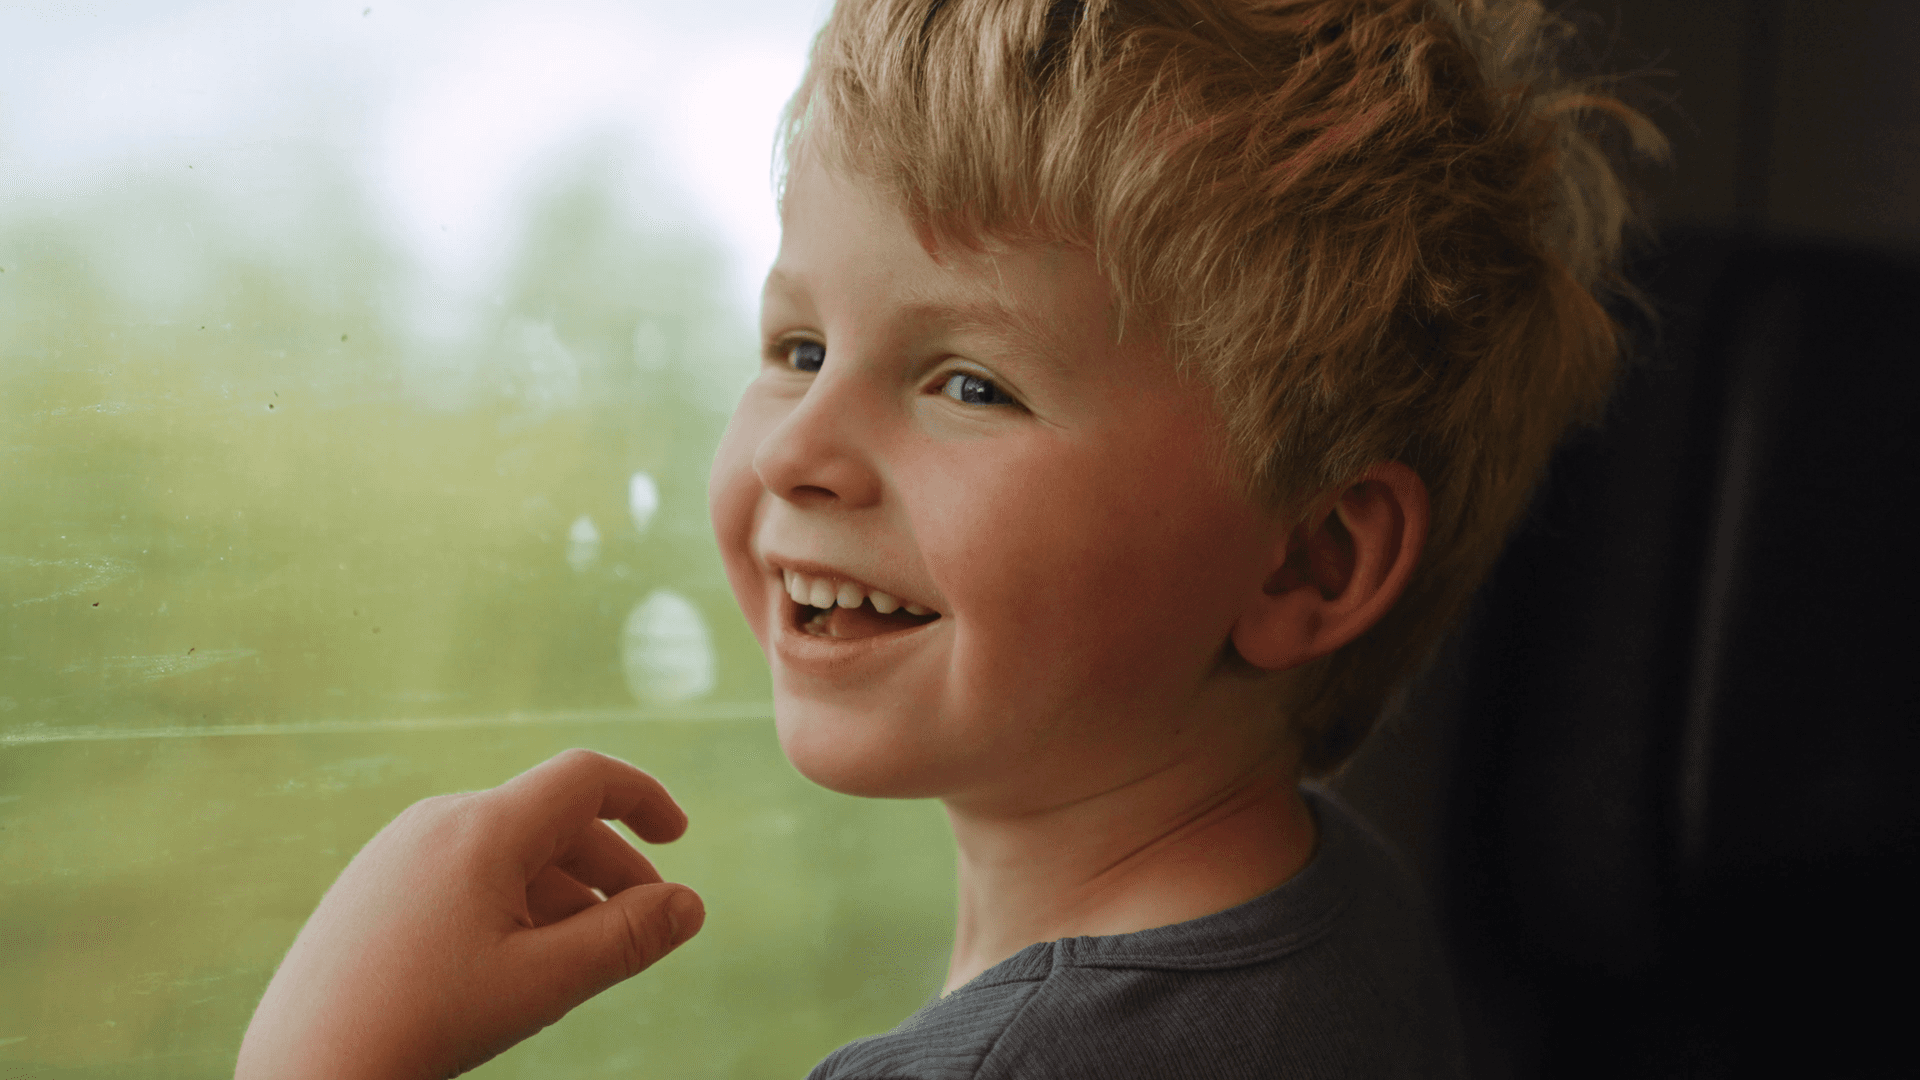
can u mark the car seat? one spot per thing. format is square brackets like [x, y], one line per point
[1664, 781]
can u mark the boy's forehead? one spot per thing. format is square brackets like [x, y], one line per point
[843, 234]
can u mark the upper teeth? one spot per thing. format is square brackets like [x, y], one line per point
[826, 592]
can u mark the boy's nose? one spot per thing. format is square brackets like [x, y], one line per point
[816, 456]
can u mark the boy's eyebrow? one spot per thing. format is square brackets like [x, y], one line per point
[1016, 330]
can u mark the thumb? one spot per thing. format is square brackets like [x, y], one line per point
[611, 942]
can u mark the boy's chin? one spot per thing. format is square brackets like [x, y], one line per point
[856, 754]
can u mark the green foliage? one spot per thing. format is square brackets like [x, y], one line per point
[274, 563]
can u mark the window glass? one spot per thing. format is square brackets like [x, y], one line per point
[360, 369]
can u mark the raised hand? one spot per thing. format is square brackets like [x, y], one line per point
[471, 922]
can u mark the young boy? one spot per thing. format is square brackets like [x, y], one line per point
[1148, 384]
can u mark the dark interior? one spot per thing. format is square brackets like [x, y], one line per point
[1662, 781]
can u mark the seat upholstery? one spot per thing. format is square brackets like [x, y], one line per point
[1665, 780]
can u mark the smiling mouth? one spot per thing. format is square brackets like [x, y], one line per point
[835, 609]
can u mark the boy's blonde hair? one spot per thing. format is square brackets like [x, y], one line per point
[1379, 228]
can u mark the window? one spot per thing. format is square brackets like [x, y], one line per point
[360, 368]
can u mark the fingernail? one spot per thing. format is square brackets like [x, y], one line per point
[683, 915]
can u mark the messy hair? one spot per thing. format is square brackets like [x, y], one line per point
[1379, 229]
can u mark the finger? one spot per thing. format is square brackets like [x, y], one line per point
[536, 814]
[600, 857]
[576, 786]
[576, 958]
[554, 895]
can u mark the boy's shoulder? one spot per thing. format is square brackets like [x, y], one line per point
[1338, 972]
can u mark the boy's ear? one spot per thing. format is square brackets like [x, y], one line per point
[1337, 572]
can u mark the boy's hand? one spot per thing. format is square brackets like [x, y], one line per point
[469, 923]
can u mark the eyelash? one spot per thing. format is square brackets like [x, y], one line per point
[786, 350]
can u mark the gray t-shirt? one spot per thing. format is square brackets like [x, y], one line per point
[1336, 973]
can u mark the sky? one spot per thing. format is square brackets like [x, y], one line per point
[446, 115]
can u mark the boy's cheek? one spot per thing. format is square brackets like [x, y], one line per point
[733, 496]
[749, 593]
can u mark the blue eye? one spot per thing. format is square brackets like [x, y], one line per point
[806, 355]
[974, 390]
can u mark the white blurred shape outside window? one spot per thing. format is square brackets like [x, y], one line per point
[583, 543]
[643, 500]
[666, 651]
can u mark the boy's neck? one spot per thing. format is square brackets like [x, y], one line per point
[1167, 848]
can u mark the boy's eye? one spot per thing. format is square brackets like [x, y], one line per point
[806, 355]
[974, 390]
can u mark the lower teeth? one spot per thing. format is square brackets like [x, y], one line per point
[816, 622]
